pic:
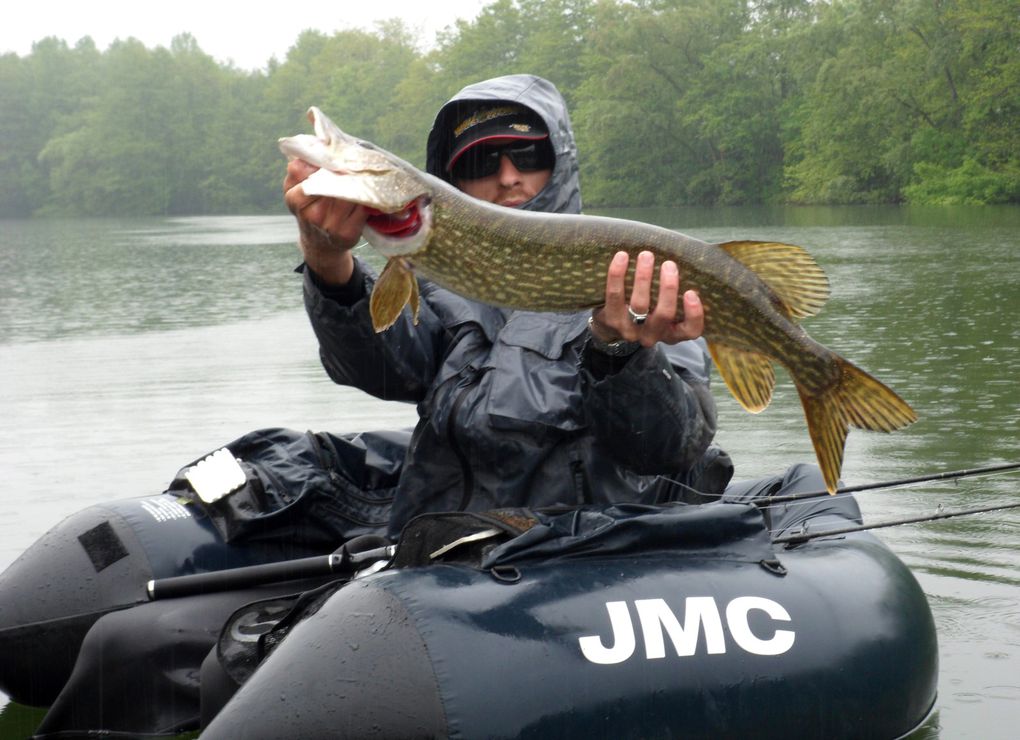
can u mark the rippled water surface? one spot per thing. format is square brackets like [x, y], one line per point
[129, 348]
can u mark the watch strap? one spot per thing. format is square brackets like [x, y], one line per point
[618, 348]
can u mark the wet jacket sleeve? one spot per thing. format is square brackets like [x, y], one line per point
[651, 414]
[396, 365]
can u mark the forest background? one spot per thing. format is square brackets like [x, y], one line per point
[673, 102]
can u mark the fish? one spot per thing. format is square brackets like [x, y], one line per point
[754, 293]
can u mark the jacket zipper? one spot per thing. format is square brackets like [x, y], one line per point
[579, 476]
[467, 475]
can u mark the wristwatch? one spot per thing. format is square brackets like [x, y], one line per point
[619, 348]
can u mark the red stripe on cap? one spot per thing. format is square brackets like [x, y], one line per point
[538, 136]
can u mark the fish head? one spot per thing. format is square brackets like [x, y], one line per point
[397, 196]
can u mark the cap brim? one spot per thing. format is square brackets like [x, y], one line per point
[484, 138]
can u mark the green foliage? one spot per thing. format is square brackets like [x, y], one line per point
[673, 101]
[969, 184]
[682, 105]
[907, 90]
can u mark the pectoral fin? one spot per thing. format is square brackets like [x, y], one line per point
[395, 288]
[748, 375]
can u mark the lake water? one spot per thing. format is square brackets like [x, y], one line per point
[130, 347]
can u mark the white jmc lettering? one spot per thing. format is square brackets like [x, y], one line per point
[658, 621]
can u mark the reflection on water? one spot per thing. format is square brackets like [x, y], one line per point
[98, 277]
[129, 348]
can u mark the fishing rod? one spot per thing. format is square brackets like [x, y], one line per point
[340, 562]
[949, 475]
[791, 540]
[347, 562]
[767, 501]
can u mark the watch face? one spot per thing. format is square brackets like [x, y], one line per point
[619, 348]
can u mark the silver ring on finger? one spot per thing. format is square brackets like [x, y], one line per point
[637, 318]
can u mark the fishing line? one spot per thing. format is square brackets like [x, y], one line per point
[686, 487]
[784, 502]
[767, 502]
[805, 536]
[933, 477]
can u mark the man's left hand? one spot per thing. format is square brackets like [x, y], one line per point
[614, 321]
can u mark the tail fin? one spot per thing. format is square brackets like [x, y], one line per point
[858, 400]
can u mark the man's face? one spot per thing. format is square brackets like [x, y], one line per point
[508, 187]
[519, 170]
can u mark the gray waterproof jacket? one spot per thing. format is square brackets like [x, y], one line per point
[515, 409]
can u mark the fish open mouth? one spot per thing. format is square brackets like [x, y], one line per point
[400, 225]
[402, 232]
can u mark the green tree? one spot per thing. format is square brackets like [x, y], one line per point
[21, 187]
[977, 159]
[353, 76]
[512, 36]
[680, 105]
[913, 98]
[138, 147]
[849, 124]
[41, 95]
[673, 101]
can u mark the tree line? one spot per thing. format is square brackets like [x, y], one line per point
[673, 102]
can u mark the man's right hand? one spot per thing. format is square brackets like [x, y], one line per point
[328, 227]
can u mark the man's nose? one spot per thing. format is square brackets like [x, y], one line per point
[508, 172]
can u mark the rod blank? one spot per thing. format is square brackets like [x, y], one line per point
[950, 475]
[797, 539]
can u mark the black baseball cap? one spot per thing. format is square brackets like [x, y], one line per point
[496, 122]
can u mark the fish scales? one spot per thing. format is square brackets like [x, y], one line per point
[570, 256]
[753, 293]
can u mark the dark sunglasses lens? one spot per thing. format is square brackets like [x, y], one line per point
[525, 158]
[483, 161]
[475, 163]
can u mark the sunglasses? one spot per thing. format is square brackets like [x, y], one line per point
[483, 160]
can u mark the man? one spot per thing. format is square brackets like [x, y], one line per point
[516, 408]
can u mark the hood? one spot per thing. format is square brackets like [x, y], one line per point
[562, 194]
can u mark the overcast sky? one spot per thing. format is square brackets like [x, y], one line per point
[245, 33]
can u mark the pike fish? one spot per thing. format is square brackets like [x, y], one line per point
[754, 292]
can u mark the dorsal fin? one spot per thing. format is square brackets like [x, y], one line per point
[789, 270]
